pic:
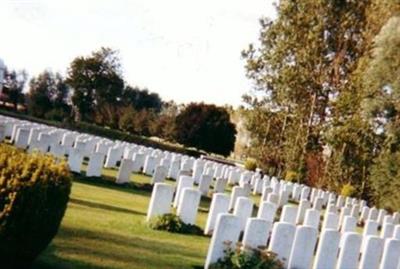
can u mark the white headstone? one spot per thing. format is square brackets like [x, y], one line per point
[289, 214]
[372, 253]
[188, 205]
[243, 210]
[227, 230]
[267, 211]
[205, 182]
[282, 240]
[350, 251]
[219, 204]
[303, 248]
[304, 205]
[327, 251]
[124, 172]
[160, 201]
[220, 184]
[95, 165]
[331, 221]
[312, 218]
[183, 182]
[390, 257]
[159, 175]
[256, 233]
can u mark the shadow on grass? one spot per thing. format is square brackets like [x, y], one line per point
[91, 249]
[109, 182]
[205, 203]
[104, 206]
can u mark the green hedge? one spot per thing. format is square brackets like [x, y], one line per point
[112, 134]
[34, 192]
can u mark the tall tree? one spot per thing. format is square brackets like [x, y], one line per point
[96, 80]
[382, 106]
[301, 66]
[206, 127]
[48, 92]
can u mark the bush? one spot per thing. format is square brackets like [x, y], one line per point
[172, 223]
[348, 190]
[250, 164]
[34, 192]
[247, 259]
[291, 175]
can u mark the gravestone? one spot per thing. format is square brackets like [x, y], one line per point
[304, 205]
[124, 171]
[267, 211]
[227, 230]
[220, 184]
[349, 224]
[75, 159]
[312, 218]
[372, 253]
[289, 214]
[282, 240]
[327, 251]
[188, 205]
[331, 221]
[236, 193]
[302, 252]
[219, 204]
[95, 165]
[149, 165]
[183, 182]
[243, 210]
[256, 233]
[138, 162]
[205, 183]
[350, 251]
[390, 257]
[159, 175]
[160, 201]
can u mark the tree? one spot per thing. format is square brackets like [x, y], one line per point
[301, 67]
[15, 83]
[47, 96]
[382, 106]
[205, 127]
[141, 99]
[96, 80]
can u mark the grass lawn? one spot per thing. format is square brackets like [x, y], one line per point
[104, 227]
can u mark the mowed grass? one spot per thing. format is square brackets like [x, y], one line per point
[104, 227]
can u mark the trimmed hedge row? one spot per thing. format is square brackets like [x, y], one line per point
[113, 134]
[34, 192]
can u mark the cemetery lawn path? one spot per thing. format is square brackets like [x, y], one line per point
[104, 227]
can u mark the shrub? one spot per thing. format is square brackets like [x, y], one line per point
[291, 175]
[34, 192]
[250, 164]
[348, 190]
[247, 259]
[172, 223]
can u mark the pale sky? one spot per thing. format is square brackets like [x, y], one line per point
[184, 50]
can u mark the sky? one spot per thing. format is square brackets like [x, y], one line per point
[184, 50]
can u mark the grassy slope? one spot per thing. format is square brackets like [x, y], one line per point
[104, 227]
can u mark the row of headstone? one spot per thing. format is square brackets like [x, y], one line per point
[302, 247]
[103, 153]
